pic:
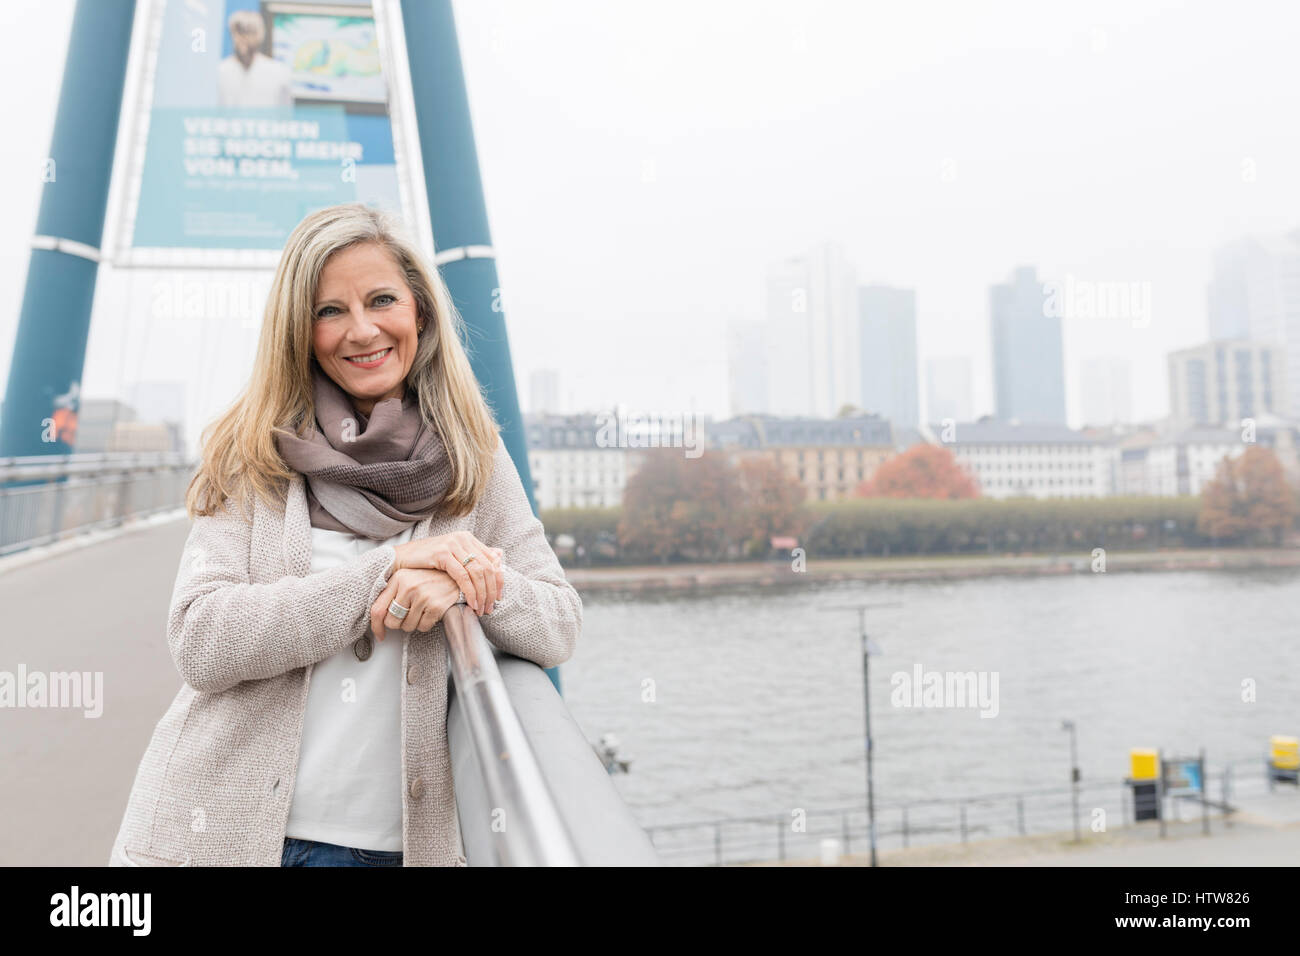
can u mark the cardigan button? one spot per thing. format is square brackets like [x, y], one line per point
[413, 674]
[362, 648]
[417, 788]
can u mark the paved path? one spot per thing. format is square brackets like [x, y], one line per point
[101, 608]
[1265, 832]
[1242, 845]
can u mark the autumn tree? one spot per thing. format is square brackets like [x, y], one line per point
[773, 503]
[923, 471]
[678, 507]
[1248, 498]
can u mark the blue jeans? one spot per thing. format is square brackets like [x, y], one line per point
[311, 853]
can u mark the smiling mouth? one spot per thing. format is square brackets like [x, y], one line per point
[369, 360]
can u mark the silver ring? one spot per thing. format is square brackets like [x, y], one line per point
[397, 610]
[460, 597]
[468, 560]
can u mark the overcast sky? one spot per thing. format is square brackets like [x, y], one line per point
[644, 162]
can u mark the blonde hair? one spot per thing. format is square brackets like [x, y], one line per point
[239, 454]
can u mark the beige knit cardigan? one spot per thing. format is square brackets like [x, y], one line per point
[246, 625]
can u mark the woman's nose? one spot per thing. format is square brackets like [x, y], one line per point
[361, 328]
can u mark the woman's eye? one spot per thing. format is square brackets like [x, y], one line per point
[383, 299]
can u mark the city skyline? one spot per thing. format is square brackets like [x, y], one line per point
[951, 171]
[750, 351]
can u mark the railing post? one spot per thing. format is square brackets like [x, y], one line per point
[123, 499]
[844, 823]
[56, 512]
[963, 823]
[1205, 798]
[1020, 815]
[1226, 785]
[904, 828]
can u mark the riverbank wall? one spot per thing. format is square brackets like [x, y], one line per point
[690, 577]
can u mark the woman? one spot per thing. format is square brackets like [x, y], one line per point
[358, 487]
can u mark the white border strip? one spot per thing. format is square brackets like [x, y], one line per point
[403, 124]
[464, 252]
[133, 131]
[71, 246]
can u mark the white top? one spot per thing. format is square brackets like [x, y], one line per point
[264, 83]
[349, 785]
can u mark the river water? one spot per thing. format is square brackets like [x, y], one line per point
[749, 701]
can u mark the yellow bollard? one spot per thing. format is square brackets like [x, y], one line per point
[1284, 752]
[1143, 764]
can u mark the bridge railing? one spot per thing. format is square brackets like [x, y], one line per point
[47, 497]
[539, 797]
[774, 836]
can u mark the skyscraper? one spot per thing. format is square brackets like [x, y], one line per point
[887, 344]
[812, 339]
[1255, 294]
[789, 339]
[1028, 353]
[747, 367]
[1106, 390]
[544, 392]
[1226, 303]
[948, 393]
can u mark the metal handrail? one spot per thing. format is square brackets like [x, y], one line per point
[28, 467]
[44, 498]
[529, 828]
[530, 787]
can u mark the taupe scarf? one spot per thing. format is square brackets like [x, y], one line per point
[374, 475]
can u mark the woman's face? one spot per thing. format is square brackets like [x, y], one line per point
[365, 310]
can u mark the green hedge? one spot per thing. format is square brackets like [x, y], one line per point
[888, 526]
[883, 526]
[595, 530]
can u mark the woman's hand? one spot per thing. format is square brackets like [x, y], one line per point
[474, 566]
[427, 592]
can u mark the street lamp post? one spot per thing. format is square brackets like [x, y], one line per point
[869, 649]
[866, 710]
[1074, 774]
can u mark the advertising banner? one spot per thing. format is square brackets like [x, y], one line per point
[262, 112]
